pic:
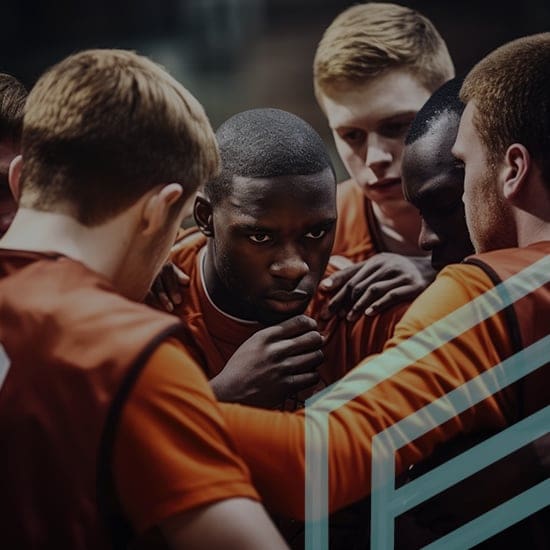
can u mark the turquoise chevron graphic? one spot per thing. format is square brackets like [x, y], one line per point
[387, 502]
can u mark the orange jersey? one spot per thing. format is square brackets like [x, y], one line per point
[173, 452]
[79, 367]
[357, 233]
[274, 442]
[217, 335]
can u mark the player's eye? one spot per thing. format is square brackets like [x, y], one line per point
[260, 238]
[316, 234]
[354, 136]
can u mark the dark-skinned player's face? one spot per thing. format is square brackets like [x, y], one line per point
[272, 239]
[433, 182]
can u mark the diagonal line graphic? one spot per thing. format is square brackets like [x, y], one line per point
[367, 375]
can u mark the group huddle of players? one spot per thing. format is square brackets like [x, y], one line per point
[155, 382]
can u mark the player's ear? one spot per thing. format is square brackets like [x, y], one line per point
[157, 207]
[14, 175]
[202, 212]
[517, 163]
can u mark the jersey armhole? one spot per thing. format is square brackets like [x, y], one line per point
[110, 507]
[511, 322]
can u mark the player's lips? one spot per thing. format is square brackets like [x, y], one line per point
[283, 300]
[296, 295]
[385, 183]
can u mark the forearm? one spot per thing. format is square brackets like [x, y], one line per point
[419, 366]
[273, 444]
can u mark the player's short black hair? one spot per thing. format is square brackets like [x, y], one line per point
[444, 99]
[12, 102]
[266, 143]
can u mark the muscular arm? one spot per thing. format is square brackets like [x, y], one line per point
[273, 443]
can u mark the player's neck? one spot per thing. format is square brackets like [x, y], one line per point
[532, 212]
[532, 230]
[52, 232]
[400, 226]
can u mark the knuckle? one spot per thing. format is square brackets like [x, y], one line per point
[309, 322]
[275, 353]
[299, 321]
[314, 338]
[284, 365]
[374, 290]
[311, 379]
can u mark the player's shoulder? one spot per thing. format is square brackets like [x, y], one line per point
[348, 191]
[455, 286]
[189, 243]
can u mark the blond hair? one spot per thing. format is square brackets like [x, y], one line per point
[511, 89]
[367, 40]
[103, 127]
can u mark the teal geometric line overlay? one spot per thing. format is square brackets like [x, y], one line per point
[496, 520]
[446, 407]
[388, 503]
[367, 375]
[471, 461]
[316, 478]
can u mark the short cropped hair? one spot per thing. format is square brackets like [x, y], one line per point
[12, 102]
[370, 39]
[445, 99]
[511, 88]
[102, 128]
[266, 143]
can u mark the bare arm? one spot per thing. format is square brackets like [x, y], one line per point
[233, 524]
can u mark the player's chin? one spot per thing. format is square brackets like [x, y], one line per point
[271, 316]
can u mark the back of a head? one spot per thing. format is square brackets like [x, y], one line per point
[511, 90]
[12, 102]
[369, 39]
[266, 143]
[444, 100]
[102, 128]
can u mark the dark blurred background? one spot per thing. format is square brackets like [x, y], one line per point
[237, 54]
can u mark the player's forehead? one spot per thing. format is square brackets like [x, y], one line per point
[392, 94]
[267, 198]
[433, 148]
[426, 185]
[467, 138]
